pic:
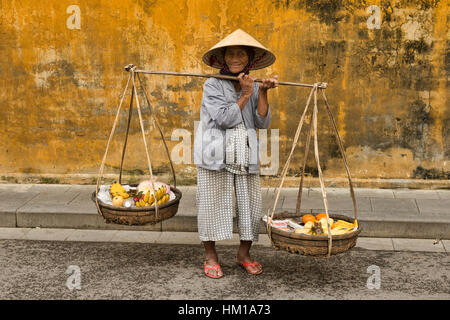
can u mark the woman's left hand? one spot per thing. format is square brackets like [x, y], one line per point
[269, 83]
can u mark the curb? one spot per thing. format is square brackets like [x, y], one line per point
[382, 213]
[191, 238]
[404, 227]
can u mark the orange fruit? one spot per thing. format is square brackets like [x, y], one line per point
[321, 216]
[308, 217]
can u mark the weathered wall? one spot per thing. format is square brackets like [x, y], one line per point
[388, 87]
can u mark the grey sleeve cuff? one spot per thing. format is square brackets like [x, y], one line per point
[262, 122]
[231, 118]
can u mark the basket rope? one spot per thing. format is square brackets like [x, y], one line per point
[132, 77]
[300, 188]
[319, 169]
[160, 131]
[102, 165]
[149, 162]
[130, 112]
[341, 149]
[312, 131]
[286, 165]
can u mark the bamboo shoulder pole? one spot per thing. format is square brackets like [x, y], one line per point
[322, 85]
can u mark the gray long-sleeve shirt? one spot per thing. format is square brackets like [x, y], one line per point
[219, 113]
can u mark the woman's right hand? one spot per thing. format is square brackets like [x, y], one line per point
[246, 83]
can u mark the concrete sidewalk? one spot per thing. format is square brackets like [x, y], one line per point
[385, 213]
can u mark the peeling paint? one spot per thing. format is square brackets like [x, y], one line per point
[387, 88]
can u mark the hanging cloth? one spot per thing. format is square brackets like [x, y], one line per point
[237, 150]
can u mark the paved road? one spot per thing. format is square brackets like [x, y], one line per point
[37, 270]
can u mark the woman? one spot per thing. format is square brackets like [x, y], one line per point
[226, 148]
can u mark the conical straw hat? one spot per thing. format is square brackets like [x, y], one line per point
[263, 57]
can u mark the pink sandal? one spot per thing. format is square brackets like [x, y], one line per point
[245, 265]
[216, 268]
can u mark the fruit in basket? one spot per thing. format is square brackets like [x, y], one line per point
[317, 229]
[162, 191]
[146, 197]
[146, 185]
[117, 201]
[128, 203]
[309, 225]
[320, 216]
[117, 189]
[308, 217]
[324, 225]
[336, 232]
[164, 199]
[323, 221]
[302, 230]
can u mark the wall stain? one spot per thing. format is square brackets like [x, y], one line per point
[433, 173]
[415, 129]
[387, 86]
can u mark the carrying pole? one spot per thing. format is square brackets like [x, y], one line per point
[321, 85]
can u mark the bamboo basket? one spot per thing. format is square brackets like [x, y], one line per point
[310, 245]
[139, 215]
[304, 244]
[136, 215]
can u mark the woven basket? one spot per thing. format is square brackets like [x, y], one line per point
[310, 245]
[136, 215]
[139, 215]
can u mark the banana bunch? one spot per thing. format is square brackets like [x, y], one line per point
[164, 199]
[342, 226]
[118, 190]
[147, 199]
[320, 227]
[161, 192]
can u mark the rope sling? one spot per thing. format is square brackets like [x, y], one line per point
[313, 131]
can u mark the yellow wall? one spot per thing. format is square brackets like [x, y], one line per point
[60, 87]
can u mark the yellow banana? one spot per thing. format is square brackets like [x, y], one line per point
[160, 192]
[117, 187]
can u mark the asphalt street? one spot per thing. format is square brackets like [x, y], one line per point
[105, 270]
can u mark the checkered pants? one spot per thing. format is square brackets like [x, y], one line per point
[215, 204]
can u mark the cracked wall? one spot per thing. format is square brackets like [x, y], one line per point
[387, 86]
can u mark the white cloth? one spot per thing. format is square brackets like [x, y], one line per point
[237, 151]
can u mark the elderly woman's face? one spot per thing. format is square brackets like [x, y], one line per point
[236, 58]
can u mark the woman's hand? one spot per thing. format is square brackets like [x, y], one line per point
[246, 83]
[269, 83]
